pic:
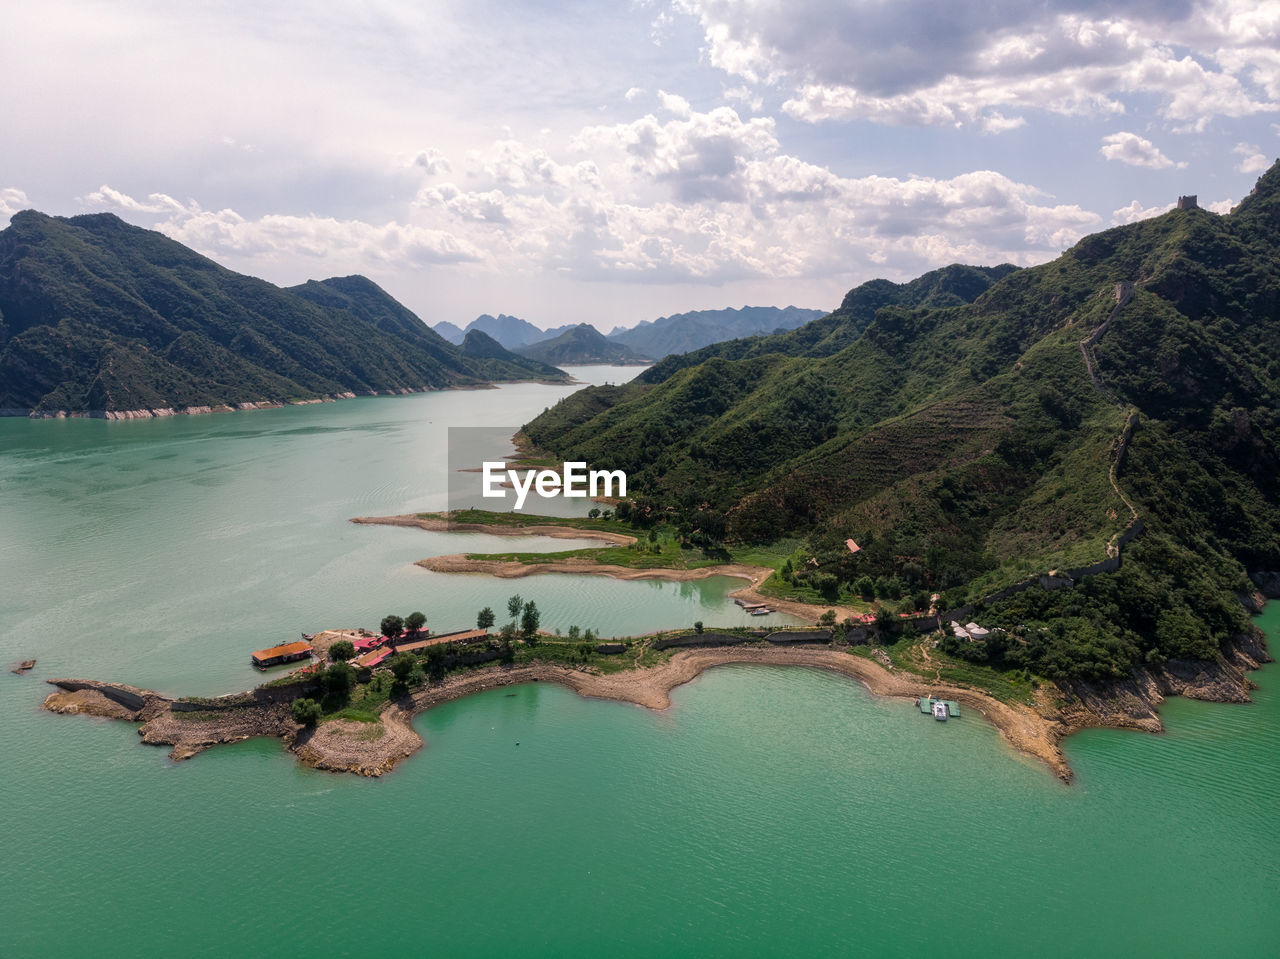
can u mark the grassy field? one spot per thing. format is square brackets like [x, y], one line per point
[488, 518]
[656, 549]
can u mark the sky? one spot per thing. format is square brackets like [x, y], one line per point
[612, 162]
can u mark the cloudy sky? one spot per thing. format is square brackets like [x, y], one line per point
[615, 161]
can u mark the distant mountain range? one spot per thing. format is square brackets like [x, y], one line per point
[511, 331]
[98, 316]
[653, 339]
[578, 345]
[683, 332]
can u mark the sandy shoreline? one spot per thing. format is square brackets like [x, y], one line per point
[372, 749]
[1021, 726]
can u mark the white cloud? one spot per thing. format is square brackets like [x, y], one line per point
[1221, 206]
[699, 197]
[996, 122]
[1252, 159]
[1135, 211]
[11, 201]
[919, 62]
[432, 161]
[1134, 150]
[633, 93]
[711, 197]
[744, 95]
[275, 237]
[105, 196]
[675, 104]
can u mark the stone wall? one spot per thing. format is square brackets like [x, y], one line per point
[799, 636]
[708, 638]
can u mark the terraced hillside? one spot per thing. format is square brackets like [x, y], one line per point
[966, 446]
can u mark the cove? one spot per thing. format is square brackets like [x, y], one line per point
[769, 811]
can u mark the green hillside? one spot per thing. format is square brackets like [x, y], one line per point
[950, 286]
[965, 446]
[101, 315]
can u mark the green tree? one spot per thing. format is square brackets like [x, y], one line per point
[342, 650]
[865, 587]
[530, 620]
[574, 633]
[697, 626]
[338, 679]
[514, 605]
[435, 661]
[485, 618]
[305, 710]
[392, 627]
[414, 622]
[828, 618]
[402, 666]
[594, 512]
[585, 650]
[827, 585]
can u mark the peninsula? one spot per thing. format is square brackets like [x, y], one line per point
[643, 672]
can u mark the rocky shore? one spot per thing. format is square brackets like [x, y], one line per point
[372, 749]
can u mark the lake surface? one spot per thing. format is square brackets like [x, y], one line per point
[770, 811]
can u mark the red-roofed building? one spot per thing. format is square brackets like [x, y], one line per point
[371, 658]
[853, 547]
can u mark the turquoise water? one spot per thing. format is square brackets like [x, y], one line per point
[768, 812]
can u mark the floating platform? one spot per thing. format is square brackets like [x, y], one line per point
[926, 706]
[288, 653]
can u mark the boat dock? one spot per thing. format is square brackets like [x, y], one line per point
[288, 653]
[926, 704]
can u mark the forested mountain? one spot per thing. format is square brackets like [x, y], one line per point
[96, 314]
[950, 286]
[581, 344]
[683, 332]
[966, 446]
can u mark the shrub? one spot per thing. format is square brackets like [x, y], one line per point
[305, 711]
[342, 650]
[403, 664]
[338, 678]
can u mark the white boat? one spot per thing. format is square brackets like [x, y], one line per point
[940, 711]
